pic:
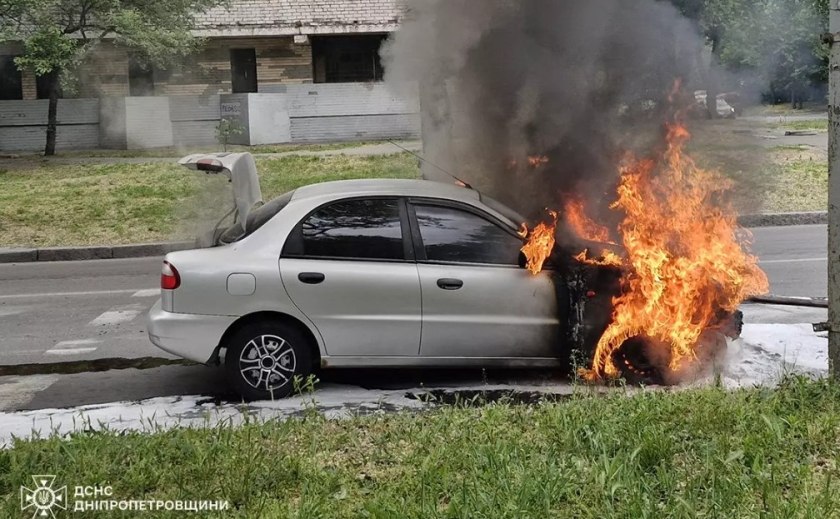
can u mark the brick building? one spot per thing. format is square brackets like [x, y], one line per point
[251, 46]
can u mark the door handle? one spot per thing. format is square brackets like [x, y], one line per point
[311, 278]
[450, 284]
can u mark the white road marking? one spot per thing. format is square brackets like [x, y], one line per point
[73, 347]
[117, 315]
[70, 351]
[152, 292]
[802, 260]
[16, 391]
[14, 310]
[74, 294]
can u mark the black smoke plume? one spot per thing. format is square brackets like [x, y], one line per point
[575, 81]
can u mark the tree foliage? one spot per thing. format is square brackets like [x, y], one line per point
[776, 41]
[57, 35]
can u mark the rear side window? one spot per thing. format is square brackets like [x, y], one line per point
[355, 229]
[457, 236]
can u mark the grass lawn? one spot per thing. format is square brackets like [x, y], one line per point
[49, 204]
[767, 178]
[805, 125]
[178, 152]
[801, 181]
[684, 454]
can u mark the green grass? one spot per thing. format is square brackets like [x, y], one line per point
[800, 182]
[177, 152]
[787, 178]
[49, 204]
[784, 109]
[685, 454]
[805, 125]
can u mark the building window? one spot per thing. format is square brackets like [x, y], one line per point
[347, 59]
[10, 79]
[141, 77]
[243, 70]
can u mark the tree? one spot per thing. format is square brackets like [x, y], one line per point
[716, 19]
[777, 40]
[57, 36]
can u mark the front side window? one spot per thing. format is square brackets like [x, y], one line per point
[355, 229]
[458, 236]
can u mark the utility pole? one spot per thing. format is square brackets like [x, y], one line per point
[834, 191]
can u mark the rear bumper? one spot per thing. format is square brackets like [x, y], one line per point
[193, 337]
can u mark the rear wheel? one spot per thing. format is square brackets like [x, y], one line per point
[263, 359]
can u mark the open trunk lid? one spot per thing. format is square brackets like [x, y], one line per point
[241, 170]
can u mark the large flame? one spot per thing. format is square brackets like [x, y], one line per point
[683, 262]
[583, 226]
[540, 243]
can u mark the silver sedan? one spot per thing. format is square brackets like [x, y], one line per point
[367, 273]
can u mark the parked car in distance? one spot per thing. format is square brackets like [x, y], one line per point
[362, 273]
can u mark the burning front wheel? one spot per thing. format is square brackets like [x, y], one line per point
[641, 361]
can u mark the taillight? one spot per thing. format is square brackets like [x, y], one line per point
[169, 277]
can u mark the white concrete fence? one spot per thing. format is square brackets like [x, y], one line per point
[287, 114]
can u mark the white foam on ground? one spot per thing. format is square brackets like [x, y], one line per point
[764, 354]
[194, 411]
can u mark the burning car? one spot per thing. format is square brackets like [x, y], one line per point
[410, 273]
[373, 273]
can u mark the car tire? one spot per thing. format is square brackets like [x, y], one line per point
[264, 358]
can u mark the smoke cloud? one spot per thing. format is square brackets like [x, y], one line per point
[577, 82]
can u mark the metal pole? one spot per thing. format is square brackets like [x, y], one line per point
[834, 191]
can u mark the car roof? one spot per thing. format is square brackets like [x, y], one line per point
[398, 187]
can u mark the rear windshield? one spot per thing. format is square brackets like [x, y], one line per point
[258, 217]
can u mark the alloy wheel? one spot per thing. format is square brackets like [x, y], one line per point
[267, 362]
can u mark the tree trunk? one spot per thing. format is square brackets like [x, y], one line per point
[712, 87]
[52, 112]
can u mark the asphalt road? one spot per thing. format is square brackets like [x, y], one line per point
[80, 311]
[794, 259]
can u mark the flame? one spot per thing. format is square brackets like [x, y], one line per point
[536, 161]
[540, 243]
[607, 259]
[533, 162]
[683, 263]
[583, 226]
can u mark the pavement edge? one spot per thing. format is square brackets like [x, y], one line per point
[142, 250]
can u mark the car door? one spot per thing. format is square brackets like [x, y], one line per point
[349, 268]
[477, 300]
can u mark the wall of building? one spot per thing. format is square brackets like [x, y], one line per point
[352, 111]
[194, 119]
[104, 73]
[23, 124]
[279, 61]
[303, 113]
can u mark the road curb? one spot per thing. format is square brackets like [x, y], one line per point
[783, 219]
[141, 250]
